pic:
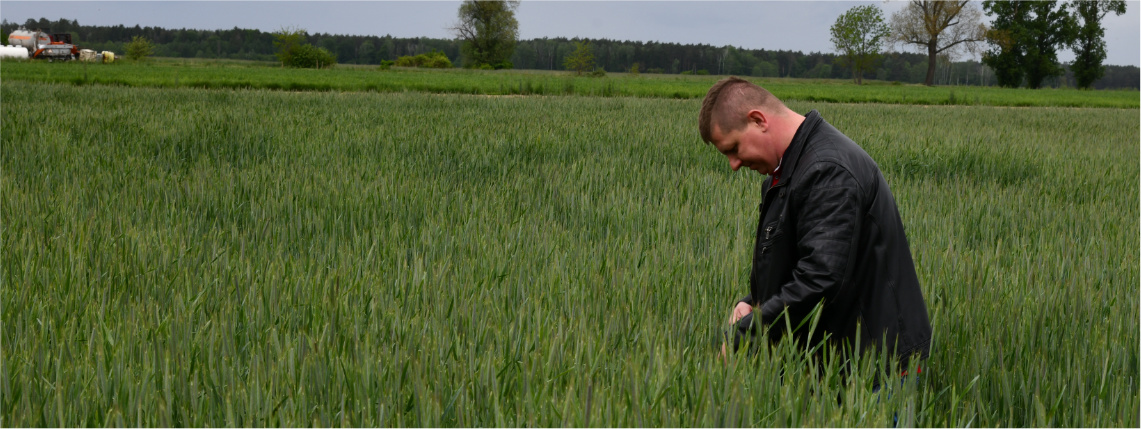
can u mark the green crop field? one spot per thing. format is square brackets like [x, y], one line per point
[173, 73]
[219, 257]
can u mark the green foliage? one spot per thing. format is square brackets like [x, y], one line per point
[489, 30]
[1006, 56]
[293, 52]
[1025, 37]
[311, 57]
[1089, 45]
[821, 71]
[185, 259]
[139, 49]
[634, 69]
[406, 61]
[287, 41]
[598, 73]
[387, 64]
[765, 69]
[858, 35]
[430, 60]
[581, 60]
[1052, 27]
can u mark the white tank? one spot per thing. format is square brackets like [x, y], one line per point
[30, 40]
[13, 52]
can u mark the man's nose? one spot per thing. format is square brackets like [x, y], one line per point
[734, 163]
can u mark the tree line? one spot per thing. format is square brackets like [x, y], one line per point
[551, 53]
[1023, 42]
[1027, 36]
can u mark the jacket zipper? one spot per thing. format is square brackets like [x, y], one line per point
[765, 205]
[768, 202]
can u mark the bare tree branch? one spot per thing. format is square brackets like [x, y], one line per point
[938, 27]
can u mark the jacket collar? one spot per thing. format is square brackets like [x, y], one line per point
[788, 161]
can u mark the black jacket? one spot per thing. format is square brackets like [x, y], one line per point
[830, 231]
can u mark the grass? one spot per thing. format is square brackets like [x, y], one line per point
[172, 73]
[190, 257]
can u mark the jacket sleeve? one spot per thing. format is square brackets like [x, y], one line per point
[829, 212]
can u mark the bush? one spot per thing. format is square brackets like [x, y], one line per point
[287, 41]
[598, 73]
[702, 72]
[309, 56]
[406, 61]
[386, 64]
[139, 49]
[436, 60]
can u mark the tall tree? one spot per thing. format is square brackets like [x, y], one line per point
[581, 60]
[489, 30]
[1053, 27]
[140, 48]
[938, 26]
[287, 40]
[1089, 47]
[1025, 39]
[1005, 35]
[858, 36]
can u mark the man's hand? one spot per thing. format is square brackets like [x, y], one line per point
[740, 311]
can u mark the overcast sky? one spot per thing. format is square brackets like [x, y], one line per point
[799, 26]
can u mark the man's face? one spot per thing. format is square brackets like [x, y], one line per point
[751, 146]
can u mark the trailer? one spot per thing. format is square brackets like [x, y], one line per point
[42, 45]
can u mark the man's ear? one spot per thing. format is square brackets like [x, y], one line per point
[758, 117]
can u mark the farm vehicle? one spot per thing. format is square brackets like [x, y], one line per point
[40, 45]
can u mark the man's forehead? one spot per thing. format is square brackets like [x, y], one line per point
[720, 140]
[715, 131]
[718, 135]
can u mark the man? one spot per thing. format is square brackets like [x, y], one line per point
[829, 235]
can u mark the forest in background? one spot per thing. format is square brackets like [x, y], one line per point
[549, 53]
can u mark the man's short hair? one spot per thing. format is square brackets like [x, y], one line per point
[729, 100]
